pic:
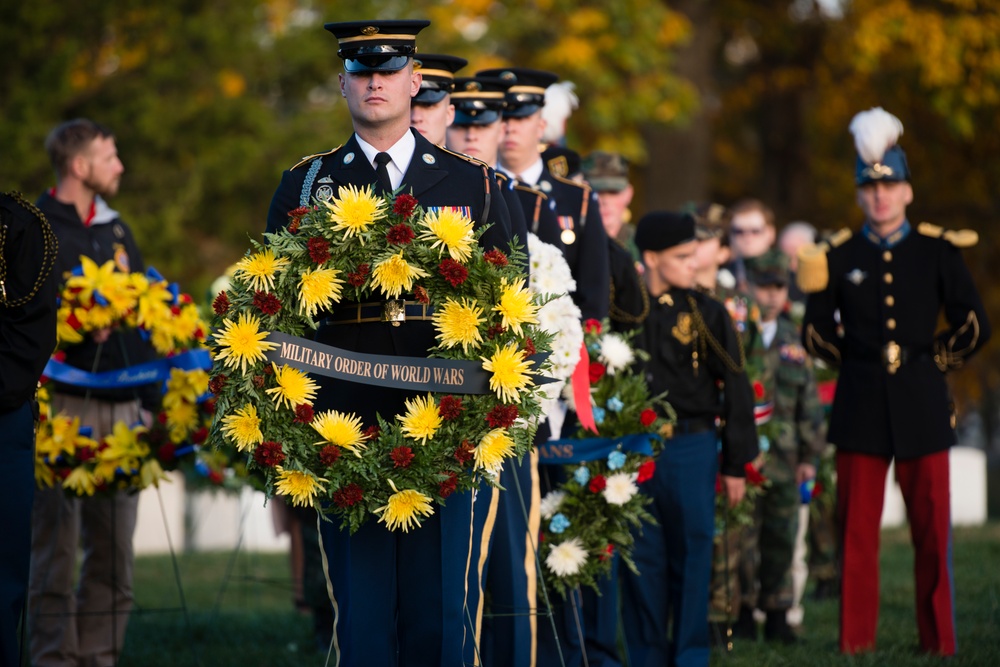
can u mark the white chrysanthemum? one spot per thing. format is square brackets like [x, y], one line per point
[567, 558]
[615, 353]
[620, 488]
[550, 274]
[551, 503]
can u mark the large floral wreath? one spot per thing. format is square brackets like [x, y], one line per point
[593, 513]
[132, 456]
[357, 247]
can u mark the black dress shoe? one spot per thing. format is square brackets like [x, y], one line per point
[776, 628]
[827, 589]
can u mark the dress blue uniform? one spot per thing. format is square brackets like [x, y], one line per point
[399, 598]
[892, 401]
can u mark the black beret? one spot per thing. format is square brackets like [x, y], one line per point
[660, 230]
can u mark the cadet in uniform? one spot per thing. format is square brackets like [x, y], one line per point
[28, 250]
[431, 110]
[399, 598]
[891, 283]
[695, 355]
[583, 235]
[793, 426]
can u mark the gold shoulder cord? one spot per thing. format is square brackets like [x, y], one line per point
[51, 247]
[620, 315]
[705, 335]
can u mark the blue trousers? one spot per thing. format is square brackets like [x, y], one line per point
[17, 493]
[674, 558]
[510, 630]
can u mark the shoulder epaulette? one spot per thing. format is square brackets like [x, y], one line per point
[840, 237]
[570, 181]
[310, 158]
[960, 238]
[527, 188]
[467, 158]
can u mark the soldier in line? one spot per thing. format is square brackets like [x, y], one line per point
[792, 427]
[28, 249]
[431, 110]
[399, 598]
[891, 283]
[694, 351]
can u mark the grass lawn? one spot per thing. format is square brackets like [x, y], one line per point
[250, 620]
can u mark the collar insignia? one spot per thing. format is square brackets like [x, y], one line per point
[857, 276]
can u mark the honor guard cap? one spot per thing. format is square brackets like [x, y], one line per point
[769, 268]
[880, 158]
[660, 230]
[438, 73]
[376, 46]
[606, 172]
[526, 88]
[478, 100]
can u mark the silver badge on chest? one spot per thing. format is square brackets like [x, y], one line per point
[324, 193]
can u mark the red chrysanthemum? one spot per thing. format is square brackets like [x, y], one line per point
[268, 370]
[494, 331]
[502, 416]
[357, 277]
[319, 249]
[269, 454]
[404, 205]
[258, 381]
[758, 390]
[298, 213]
[372, 432]
[596, 371]
[448, 486]
[215, 477]
[647, 417]
[303, 414]
[754, 478]
[293, 226]
[495, 257]
[348, 495]
[450, 408]
[529, 348]
[220, 306]
[199, 436]
[329, 455]
[465, 452]
[592, 326]
[453, 272]
[166, 452]
[208, 407]
[266, 302]
[401, 457]
[400, 234]
[421, 295]
[608, 552]
[646, 471]
[597, 483]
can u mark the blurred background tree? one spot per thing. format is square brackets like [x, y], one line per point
[211, 99]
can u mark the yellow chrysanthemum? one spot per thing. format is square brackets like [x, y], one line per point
[301, 487]
[153, 301]
[65, 333]
[422, 419]
[152, 473]
[260, 269]
[404, 509]
[318, 289]
[515, 306]
[458, 324]
[185, 386]
[341, 429]
[243, 428]
[355, 210]
[394, 275]
[242, 342]
[113, 286]
[58, 435]
[81, 482]
[495, 448]
[510, 373]
[124, 451]
[294, 387]
[451, 230]
[182, 418]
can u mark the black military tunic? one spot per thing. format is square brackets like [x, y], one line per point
[892, 399]
[577, 211]
[629, 302]
[695, 356]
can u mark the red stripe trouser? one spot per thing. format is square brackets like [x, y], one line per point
[860, 494]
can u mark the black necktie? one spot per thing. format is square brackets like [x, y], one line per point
[381, 160]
